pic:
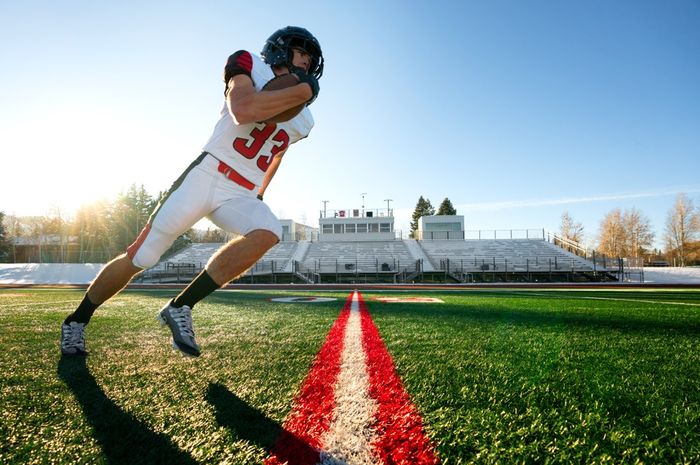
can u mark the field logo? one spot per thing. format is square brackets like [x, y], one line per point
[352, 407]
[414, 300]
[303, 299]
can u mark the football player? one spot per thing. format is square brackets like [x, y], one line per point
[225, 184]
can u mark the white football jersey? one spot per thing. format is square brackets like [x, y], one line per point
[250, 148]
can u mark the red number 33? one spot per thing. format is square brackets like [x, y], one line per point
[250, 147]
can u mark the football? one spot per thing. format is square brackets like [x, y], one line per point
[282, 82]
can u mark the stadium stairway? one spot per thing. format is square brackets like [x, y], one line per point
[417, 252]
[298, 256]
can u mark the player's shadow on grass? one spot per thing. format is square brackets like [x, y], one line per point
[251, 424]
[122, 437]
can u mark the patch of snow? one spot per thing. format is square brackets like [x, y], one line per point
[672, 275]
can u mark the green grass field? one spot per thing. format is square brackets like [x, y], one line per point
[500, 376]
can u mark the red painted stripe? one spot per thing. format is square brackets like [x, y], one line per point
[300, 440]
[401, 438]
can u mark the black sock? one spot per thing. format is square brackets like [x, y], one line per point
[83, 313]
[198, 289]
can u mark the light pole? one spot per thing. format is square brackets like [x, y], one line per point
[363, 203]
[324, 207]
[388, 210]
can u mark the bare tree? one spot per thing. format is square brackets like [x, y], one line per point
[682, 228]
[611, 239]
[570, 230]
[625, 234]
[638, 232]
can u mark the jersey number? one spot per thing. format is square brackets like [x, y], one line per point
[250, 147]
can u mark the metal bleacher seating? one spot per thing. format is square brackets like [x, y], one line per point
[365, 256]
[502, 255]
[197, 255]
[463, 260]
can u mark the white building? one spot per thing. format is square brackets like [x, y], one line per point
[440, 227]
[355, 224]
[293, 231]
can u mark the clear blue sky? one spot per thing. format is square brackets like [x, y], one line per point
[515, 110]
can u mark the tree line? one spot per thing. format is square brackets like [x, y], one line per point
[629, 233]
[96, 233]
[622, 233]
[103, 229]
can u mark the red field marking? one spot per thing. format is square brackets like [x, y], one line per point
[400, 435]
[310, 417]
[397, 428]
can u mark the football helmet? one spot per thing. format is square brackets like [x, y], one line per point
[277, 50]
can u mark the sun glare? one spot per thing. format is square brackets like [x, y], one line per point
[78, 154]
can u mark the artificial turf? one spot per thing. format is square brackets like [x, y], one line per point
[499, 376]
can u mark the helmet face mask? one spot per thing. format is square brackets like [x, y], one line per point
[278, 49]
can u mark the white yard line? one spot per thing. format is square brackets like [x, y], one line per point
[643, 301]
[349, 439]
[607, 298]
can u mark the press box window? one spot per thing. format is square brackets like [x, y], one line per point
[327, 229]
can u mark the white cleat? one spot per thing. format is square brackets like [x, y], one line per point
[73, 339]
[179, 320]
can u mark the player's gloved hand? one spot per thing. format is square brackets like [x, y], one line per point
[260, 197]
[310, 80]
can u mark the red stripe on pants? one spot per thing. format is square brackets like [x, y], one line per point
[133, 248]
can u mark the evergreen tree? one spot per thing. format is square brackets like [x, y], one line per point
[91, 225]
[446, 208]
[129, 215]
[423, 208]
[4, 241]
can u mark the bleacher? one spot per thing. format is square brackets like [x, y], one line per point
[277, 259]
[496, 255]
[191, 260]
[470, 260]
[358, 257]
[196, 254]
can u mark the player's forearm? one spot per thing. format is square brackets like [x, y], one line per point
[252, 107]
